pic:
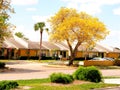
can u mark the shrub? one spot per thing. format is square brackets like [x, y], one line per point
[61, 78]
[2, 57]
[117, 62]
[34, 57]
[79, 74]
[47, 58]
[7, 85]
[88, 73]
[2, 65]
[93, 74]
[23, 57]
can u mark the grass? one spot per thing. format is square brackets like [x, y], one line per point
[5, 60]
[38, 84]
[108, 67]
[73, 87]
[42, 61]
[33, 82]
[38, 61]
[111, 77]
[46, 61]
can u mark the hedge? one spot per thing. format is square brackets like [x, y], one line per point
[90, 73]
[61, 78]
[7, 85]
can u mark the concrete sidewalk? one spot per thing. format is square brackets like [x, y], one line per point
[112, 81]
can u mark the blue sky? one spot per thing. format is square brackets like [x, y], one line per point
[28, 12]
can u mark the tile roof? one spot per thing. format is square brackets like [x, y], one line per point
[21, 41]
[4, 45]
[50, 45]
[116, 50]
[97, 48]
[35, 45]
[9, 44]
[62, 46]
[14, 43]
[101, 48]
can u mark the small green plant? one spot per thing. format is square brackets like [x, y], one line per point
[61, 78]
[7, 85]
[88, 73]
[2, 65]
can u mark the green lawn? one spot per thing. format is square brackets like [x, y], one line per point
[38, 84]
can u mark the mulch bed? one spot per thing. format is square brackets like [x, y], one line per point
[75, 82]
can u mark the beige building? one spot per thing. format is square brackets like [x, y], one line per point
[17, 48]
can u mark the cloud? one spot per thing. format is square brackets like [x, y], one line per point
[102, 2]
[24, 2]
[116, 11]
[112, 39]
[27, 33]
[38, 18]
[22, 29]
[90, 6]
[31, 9]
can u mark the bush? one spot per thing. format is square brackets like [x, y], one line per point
[117, 62]
[93, 74]
[2, 65]
[79, 74]
[23, 58]
[34, 57]
[7, 85]
[47, 58]
[61, 78]
[88, 73]
[2, 57]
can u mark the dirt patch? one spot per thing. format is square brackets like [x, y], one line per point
[75, 82]
[22, 88]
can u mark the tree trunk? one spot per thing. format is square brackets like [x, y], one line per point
[72, 57]
[40, 45]
[73, 52]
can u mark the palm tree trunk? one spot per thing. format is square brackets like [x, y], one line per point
[40, 45]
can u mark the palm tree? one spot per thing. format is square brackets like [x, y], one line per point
[40, 26]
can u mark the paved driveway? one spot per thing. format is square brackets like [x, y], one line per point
[31, 70]
[26, 70]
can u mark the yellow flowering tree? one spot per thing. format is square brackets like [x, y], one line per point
[6, 27]
[76, 28]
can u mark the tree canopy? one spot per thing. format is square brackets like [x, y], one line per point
[76, 28]
[21, 35]
[5, 26]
